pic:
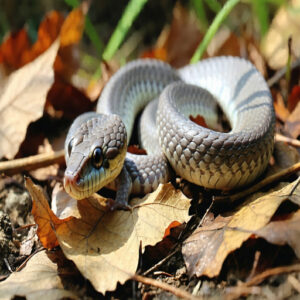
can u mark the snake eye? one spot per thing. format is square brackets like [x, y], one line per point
[70, 146]
[97, 158]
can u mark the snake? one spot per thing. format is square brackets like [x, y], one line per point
[96, 144]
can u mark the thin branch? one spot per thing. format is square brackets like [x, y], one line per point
[288, 140]
[166, 287]
[270, 272]
[161, 262]
[273, 178]
[32, 162]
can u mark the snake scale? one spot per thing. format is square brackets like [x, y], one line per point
[96, 145]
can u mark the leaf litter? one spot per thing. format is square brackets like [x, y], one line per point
[93, 237]
[96, 239]
[207, 248]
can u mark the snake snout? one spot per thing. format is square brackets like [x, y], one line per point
[71, 179]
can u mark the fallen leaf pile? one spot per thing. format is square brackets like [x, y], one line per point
[206, 249]
[23, 99]
[102, 243]
[35, 75]
[39, 279]
[41, 92]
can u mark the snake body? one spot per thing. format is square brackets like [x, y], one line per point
[96, 143]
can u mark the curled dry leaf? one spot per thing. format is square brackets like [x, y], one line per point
[23, 98]
[16, 51]
[206, 249]
[286, 231]
[105, 245]
[43, 215]
[38, 280]
[285, 24]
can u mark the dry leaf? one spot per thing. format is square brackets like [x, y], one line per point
[62, 204]
[135, 149]
[224, 42]
[43, 215]
[199, 120]
[48, 32]
[292, 124]
[38, 280]
[13, 49]
[206, 249]
[65, 99]
[67, 61]
[95, 86]
[16, 50]
[285, 24]
[105, 245]
[22, 100]
[294, 98]
[170, 45]
[281, 112]
[286, 231]
[72, 28]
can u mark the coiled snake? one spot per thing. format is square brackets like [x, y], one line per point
[96, 145]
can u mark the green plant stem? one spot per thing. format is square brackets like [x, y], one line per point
[214, 5]
[132, 10]
[220, 17]
[89, 29]
[261, 11]
[200, 12]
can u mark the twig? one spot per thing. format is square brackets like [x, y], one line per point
[206, 213]
[166, 287]
[280, 73]
[32, 162]
[288, 140]
[288, 67]
[270, 272]
[275, 177]
[294, 282]
[161, 262]
[7, 265]
[28, 258]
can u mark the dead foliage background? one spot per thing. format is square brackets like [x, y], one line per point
[181, 239]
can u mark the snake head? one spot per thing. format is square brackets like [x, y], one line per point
[95, 148]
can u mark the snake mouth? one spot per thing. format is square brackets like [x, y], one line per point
[82, 187]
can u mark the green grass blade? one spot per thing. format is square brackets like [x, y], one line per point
[200, 12]
[220, 17]
[89, 29]
[93, 36]
[132, 10]
[214, 5]
[261, 11]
